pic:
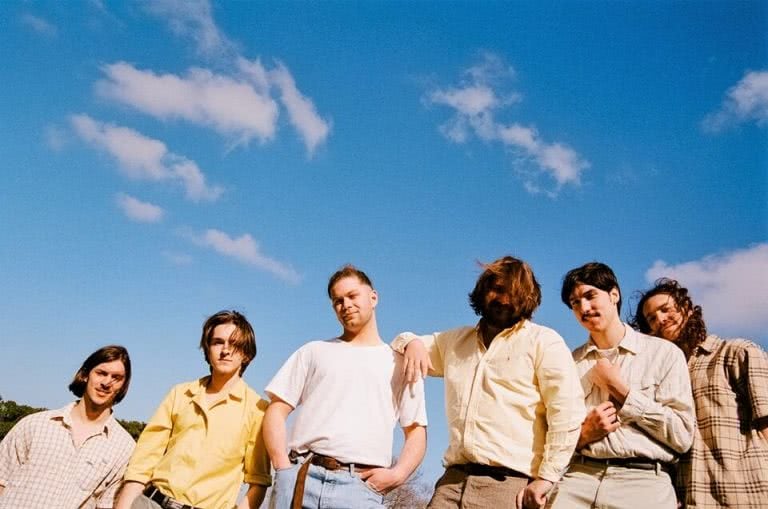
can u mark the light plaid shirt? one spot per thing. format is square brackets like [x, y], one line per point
[728, 463]
[40, 466]
[657, 418]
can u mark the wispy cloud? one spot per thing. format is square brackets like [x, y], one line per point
[301, 110]
[193, 19]
[746, 101]
[177, 258]
[142, 158]
[246, 250]
[39, 25]
[476, 102]
[231, 107]
[137, 210]
[730, 287]
[55, 137]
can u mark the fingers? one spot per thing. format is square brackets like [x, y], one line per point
[519, 499]
[425, 367]
[605, 405]
[365, 475]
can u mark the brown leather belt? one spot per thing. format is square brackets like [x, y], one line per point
[499, 473]
[319, 460]
[163, 500]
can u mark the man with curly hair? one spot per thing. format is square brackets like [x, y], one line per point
[728, 463]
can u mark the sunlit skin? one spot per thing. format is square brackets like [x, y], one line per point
[103, 385]
[226, 360]
[354, 304]
[663, 316]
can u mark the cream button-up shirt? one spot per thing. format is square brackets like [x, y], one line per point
[517, 404]
[657, 418]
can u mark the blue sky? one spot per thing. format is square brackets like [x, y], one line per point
[165, 160]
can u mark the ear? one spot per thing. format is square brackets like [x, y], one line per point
[374, 298]
[615, 295]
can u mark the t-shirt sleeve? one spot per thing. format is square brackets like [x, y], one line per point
[288, 383]
[411, 403]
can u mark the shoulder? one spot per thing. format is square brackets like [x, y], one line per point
[37, 419]
[254, 400]
[543, 333]
[120, 435]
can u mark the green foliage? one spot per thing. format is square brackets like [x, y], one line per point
[11, 412]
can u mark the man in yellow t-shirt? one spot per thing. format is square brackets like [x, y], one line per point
[205, 439]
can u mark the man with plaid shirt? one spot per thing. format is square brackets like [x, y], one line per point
[728, 463]
[73, 457]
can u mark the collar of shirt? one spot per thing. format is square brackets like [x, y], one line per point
[196, 391]
[64, 415]
[709, 344]
[507, 333]
[631, 343]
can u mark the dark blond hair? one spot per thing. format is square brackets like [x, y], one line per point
[104, 354]
[517, 278]
[244, 338]
[348, 270]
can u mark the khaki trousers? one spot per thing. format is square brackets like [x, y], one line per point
[457, 489]
[587, 486]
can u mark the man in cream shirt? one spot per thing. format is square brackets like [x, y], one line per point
[640, 404]
[512, 395]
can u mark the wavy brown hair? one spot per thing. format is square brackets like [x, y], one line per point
[694, 330]
[517, 278]
[243, 336]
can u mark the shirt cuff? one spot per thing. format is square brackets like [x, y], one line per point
[261, 480]
[633, 407]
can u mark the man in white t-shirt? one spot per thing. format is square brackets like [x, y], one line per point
[352, 392]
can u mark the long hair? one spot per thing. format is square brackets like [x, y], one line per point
[594, 274]
[694, 330]
[104, 354]
[518, 280]
[244, 338]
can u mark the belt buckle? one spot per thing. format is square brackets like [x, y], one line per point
[173, 504]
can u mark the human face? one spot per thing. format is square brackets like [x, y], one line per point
[663, 316]
[353, 302]
[104, 383]
[594, 309]
[498, 310]
[225, 359]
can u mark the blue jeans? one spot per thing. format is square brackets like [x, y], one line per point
[324, 489]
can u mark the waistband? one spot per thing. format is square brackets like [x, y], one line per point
[637, 463]
[496, 472]
[166, 502]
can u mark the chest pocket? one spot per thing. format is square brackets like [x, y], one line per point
[91, 473]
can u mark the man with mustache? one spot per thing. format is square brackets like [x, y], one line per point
[74, 456]
[640, 409]
[512, 395]
[728, 463]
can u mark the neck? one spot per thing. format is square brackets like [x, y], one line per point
[611, 336]
[368, 335]
[221, 382]
[488, 331]
[86, 412]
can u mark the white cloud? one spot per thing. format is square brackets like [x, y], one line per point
[193, 19]
[233, 108]
[142, 158]
[476, 102]
[745, 101]
[177, 258]
[39, 25]
[55, 138]
[246, 250]
[301, 110]
[138, 210]
[731, 288]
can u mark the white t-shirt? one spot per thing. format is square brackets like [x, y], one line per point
[350, 398]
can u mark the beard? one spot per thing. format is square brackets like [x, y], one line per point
[500, 316]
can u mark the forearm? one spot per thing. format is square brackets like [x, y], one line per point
[412, 453]
[253, 497]
[275, 436]
[128, 493]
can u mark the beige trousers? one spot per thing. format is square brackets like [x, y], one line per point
[599, 487]
[458, 490]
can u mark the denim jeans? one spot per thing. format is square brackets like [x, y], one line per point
[324, 489]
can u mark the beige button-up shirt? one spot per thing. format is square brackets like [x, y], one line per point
[657, 418]
[517, 404]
